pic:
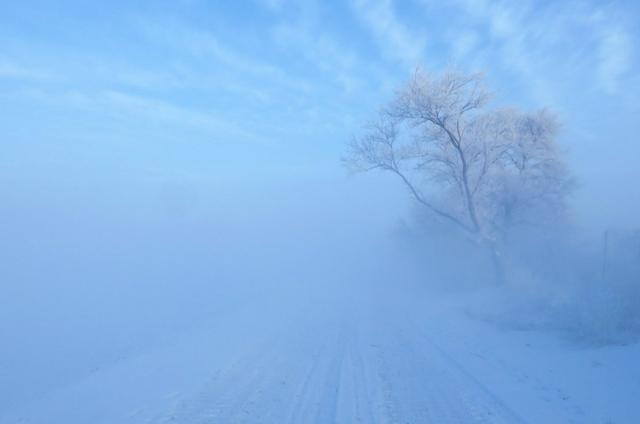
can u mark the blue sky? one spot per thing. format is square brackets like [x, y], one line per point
[105, 95]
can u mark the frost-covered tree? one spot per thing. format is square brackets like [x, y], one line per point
[485, 170]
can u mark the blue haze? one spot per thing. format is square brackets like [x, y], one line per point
[149, 148]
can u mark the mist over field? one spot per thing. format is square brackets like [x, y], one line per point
[274, 211]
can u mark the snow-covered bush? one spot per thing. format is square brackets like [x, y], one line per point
[591, 295]
[607, 308]
[557, 280]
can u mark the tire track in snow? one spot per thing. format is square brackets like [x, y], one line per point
[464, 397]
[417, 382]
[225, 394]
[354, 400]
[292, 377]
[317, 398]
[340, 366]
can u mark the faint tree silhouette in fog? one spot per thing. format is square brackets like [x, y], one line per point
[485, 170]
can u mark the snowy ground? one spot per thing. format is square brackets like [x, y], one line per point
[336, 353]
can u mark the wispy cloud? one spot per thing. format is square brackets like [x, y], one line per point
[146, 78]
[395, 38]
[615, 55]
[537, 44]
[274, 5]
[340, 64]
[141, 110]
[206, 46]
[297, 68]
[16, 71]
[163, 111]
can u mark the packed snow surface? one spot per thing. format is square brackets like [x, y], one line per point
[334, 352]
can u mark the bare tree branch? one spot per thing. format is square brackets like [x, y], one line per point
[496, 167]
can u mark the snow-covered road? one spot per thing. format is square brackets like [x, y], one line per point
[342, 364]
[345, 356]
